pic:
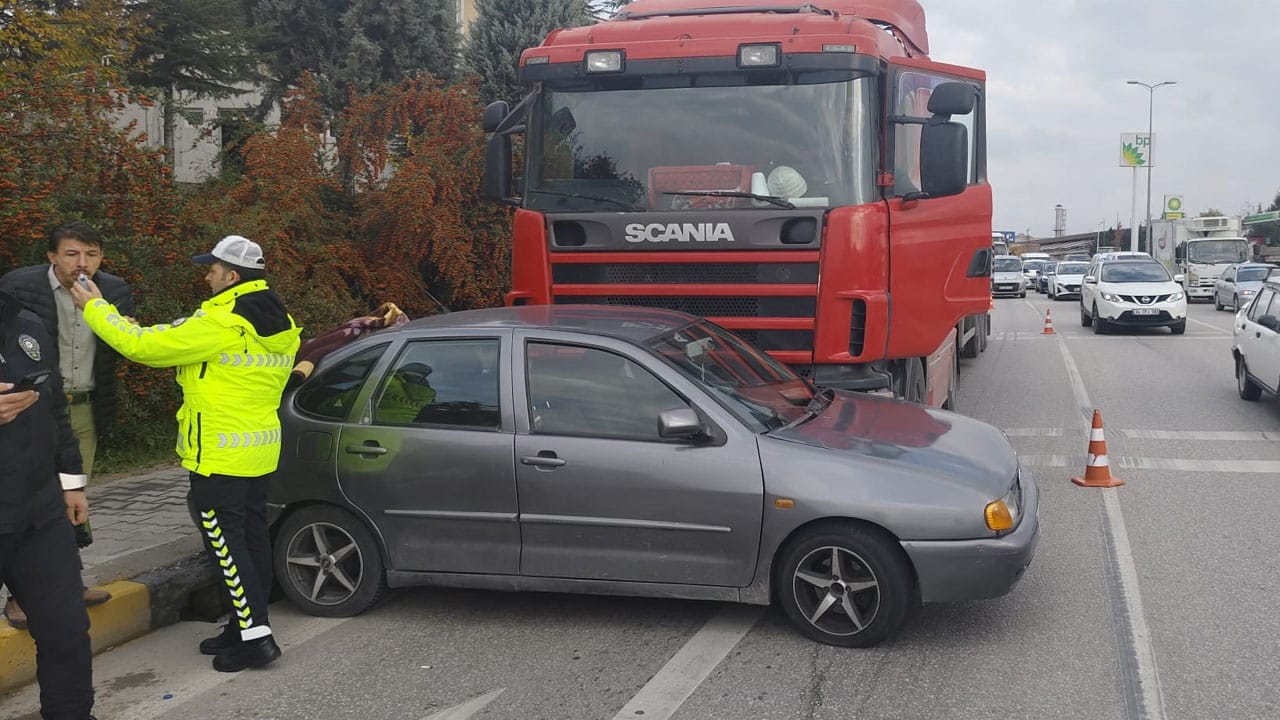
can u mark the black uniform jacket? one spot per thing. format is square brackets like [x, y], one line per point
[38, 444]
[31, 286]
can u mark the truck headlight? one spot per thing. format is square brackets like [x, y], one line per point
[1193, 276]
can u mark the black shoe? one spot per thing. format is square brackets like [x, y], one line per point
[224, 641]
[248, 654]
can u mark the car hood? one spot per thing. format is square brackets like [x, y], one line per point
[1072, 278]
[1140, 288]
[943, 445]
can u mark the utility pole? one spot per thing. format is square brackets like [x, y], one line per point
[1151, 142]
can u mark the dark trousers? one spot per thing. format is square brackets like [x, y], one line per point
[231, 515]
[42, 569]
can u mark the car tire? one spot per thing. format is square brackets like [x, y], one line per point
[1179, 327]
[1235, 303]
[1248, 389]
[1100, 324]
[857, 572]
[1086, 320]
[1217, 305]
[1023, 294]
[353, 582]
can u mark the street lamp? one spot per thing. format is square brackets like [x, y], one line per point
[1151, 94]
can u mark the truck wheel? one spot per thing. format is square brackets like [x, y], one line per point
[950, 402]
[911, 383]
[843, 584]
[1086, 320]
[1248, 389]
[971, 349]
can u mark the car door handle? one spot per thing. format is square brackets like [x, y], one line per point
[366, 450]
[542, 460]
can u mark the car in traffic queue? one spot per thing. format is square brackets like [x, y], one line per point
[1031, 271]
[1238, 284]
[1042, 276]
[634, 451]
[1065, 281]
[1132, 293]
[1255, 341]
[1084, 258]
[1007, 279]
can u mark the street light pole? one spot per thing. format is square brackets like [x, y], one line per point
[1151, 95]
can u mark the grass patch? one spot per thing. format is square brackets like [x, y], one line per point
[115, 460]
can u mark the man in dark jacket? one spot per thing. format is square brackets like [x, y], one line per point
[37, 545]
[87, 365]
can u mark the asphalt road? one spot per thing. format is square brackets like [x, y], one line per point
[1153, 600]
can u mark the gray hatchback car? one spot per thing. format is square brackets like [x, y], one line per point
[631, 451]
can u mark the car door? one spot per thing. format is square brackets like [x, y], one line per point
[1089, 287]
[1260, 344]
[1225, 287]
[430, 457]
[602, 496]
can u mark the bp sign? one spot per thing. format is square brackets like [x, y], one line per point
[1173, 207]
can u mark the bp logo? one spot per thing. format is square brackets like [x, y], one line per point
[1174, 204]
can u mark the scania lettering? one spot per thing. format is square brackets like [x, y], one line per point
[679, 232]
[802, 174]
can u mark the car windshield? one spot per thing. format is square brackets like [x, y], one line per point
[1049, 267]
[1218, 251]
[1134, 272]
[1007, 265]
[1252, 274]
[809, 142]
[1072, 268]
[743, 378]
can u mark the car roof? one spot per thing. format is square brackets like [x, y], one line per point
[635, 324]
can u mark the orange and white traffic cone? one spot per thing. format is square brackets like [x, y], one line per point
[1097, 471]
[1048, 322]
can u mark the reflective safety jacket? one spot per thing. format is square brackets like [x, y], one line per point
[233, 357]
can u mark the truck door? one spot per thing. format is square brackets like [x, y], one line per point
[946, 237]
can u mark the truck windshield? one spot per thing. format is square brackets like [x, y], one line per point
[702, 146]
[1218, 251]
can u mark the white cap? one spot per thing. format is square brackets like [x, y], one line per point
[235, 250]
[785, 182]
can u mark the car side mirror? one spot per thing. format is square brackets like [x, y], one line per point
[680, 424]
[1179, 278]
[1090, 279]
[1270, 322]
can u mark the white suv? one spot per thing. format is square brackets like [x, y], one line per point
[1255, 342]
[1134, 292]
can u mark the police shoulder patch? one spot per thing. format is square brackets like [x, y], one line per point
[29, 346]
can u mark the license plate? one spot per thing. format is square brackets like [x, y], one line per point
[1146, 311]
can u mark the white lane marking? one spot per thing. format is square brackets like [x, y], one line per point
[684, 672]
[1263, 467]
[1147, 685]
[1034, 432]
[467, 709]
[1088, 335]
[1211, 326]
[1214, 435]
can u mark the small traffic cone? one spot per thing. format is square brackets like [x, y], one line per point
[1048, 322]
[1097, 471]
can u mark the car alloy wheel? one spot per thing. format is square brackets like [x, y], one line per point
[845, 585]
[327, 562]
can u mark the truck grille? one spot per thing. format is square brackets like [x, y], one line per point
[679, 273]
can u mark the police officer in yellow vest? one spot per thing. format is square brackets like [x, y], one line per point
[233, 357]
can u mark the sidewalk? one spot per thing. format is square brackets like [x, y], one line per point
[145, 552]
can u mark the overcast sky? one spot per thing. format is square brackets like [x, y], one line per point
[1058, 102]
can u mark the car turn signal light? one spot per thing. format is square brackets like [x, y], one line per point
[999, 518]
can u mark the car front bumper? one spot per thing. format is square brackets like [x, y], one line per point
[1124, 315]
[961, 570]
[999, 289]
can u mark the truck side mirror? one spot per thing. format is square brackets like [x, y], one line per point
[494, 113]
[944, 158]
[496, 183]
[1179, 252]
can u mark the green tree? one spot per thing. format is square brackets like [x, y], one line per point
[1212, 212]
[1275, 204]
[355, 45]
[191, 48]
[505, 28]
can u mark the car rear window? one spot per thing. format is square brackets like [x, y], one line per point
[1252, 274]
[1072, 269]
[1134, 272]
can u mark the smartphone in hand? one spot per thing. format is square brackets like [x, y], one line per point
[30, 381]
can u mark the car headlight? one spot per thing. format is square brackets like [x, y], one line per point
[1175, 296]
[1109, 297]
[1247, 293]
[1002, 514]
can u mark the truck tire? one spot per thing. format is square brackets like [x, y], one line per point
[970, 349]
[911, 381]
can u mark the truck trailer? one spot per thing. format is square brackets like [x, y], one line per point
[803, 174]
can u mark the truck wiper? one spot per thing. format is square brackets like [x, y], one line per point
[774, 199]
[602, 198]
[821, 401]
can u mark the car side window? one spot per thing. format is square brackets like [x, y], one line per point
[1229, 276]
[590, 392]
[443, 382]
[333, 392]
[1260, 304]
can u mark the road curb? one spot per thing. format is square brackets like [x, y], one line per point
[150, 600]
